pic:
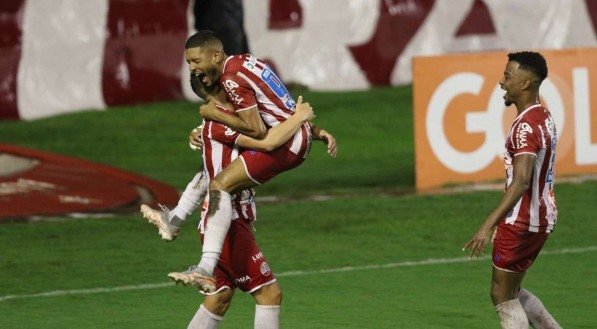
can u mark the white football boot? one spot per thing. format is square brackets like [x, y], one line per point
[195, 276]
[160, 219]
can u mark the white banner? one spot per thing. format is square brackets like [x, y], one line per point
[70, 55]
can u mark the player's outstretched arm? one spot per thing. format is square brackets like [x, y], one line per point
[327, 138]
[280, 134]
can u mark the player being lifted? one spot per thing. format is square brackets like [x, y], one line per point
[261, 101]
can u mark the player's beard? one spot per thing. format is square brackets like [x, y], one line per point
[212, 89]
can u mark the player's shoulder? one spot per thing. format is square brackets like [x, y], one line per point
[536, 115]
[235, 63]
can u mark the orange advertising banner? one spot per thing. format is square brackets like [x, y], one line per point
[461, 121]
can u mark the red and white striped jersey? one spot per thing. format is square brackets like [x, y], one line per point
[219, 150]
[250, 82]
[534, 132]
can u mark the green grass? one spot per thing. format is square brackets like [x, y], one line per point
[373, 130]
[358, 228]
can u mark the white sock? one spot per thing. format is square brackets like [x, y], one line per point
[204, 319]
[190, 199]
[219, 217]
[267, 316]
[512, 315]
[537, 314]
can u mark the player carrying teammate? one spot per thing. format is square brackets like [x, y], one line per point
[261, 101]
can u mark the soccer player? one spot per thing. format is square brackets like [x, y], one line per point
[169, 221]
[242, 264]
[261, 101]
[526, 213]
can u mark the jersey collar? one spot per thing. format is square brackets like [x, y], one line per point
[528, 109]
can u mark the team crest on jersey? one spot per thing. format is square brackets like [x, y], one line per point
[265, 270]
[250, 63]
[521, 134]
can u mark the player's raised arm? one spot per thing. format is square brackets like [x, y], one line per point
[280, 134]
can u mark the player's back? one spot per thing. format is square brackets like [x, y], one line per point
[250, 82]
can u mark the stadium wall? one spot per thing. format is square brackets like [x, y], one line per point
[461, 122]
[62, 56]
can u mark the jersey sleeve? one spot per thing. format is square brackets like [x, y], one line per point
[224, 135]
[239, 92]
[527, 138]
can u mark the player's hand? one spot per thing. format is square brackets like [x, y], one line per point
[195, 141]
[479, 241]
[329, 140]
[207, 110]
[304, 110]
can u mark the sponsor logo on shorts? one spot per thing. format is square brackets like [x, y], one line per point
[265, 270]
[242, 280]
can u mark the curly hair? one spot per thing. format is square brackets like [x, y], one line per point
[532, 62]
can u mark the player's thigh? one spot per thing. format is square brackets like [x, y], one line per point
[232, 178]
[270, 294]
[504, 285]
[220, 302]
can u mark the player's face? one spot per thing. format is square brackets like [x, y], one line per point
[513, 82]
[203, 63]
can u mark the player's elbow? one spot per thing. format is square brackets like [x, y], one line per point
[268, 146]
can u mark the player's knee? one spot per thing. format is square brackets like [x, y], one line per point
[219, 303]
[272, 294]
[215, 184]
[500, 293]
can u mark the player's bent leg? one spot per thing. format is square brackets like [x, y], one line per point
[537, 314]
[270, 294]
[504, 285]
[204, 319]
[233, 178]
[267, 309]
[219, 302]
[504, 289]
[168, 221]
[219, 213]
[191, 198]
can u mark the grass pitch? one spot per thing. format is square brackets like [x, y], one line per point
[358, 260]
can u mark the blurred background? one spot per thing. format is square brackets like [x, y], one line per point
[95, 112]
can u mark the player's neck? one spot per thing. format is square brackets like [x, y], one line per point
[526, 102]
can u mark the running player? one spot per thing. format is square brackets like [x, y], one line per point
[527, 213]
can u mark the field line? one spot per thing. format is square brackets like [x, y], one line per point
[430, 261]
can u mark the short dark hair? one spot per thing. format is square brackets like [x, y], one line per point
[203, 38]
[532, 62]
